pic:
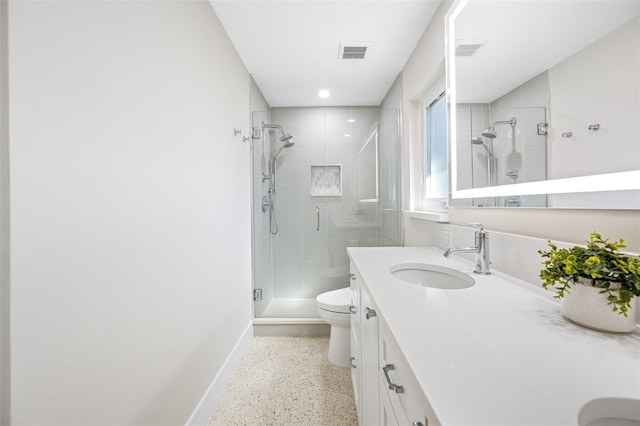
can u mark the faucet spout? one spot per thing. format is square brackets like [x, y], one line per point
[450, 250]
[481, 249]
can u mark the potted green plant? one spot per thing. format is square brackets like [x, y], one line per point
[594, 281]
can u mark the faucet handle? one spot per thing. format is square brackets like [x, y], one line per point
[474, 225]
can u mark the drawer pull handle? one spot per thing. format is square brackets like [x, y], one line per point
[417, 424]
[352, 276]
[370, 313]
[352, 309]
[392, 386]
[352, 361]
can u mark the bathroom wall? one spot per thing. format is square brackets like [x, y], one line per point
[580, 98]
[618, 120]
[130, 209]
[5, 380]
[423, 68]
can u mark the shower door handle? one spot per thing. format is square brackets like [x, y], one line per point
[317, 218]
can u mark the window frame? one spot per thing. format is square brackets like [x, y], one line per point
[423, 201]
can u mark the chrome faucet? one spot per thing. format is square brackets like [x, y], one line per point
[481, 249]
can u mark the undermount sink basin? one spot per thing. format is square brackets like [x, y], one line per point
[610, 412]
[433, 276]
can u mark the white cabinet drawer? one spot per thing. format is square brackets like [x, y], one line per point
[386, 415]
[397, 379]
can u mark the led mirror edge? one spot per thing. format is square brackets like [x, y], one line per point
[450, 72]
[619, 181]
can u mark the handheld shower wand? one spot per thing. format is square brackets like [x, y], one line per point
[287, 142]
[477, 140]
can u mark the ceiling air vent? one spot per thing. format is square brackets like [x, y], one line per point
[353, 50]
[468, 47]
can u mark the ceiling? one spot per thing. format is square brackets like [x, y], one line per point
[291, 47]
[514, 49]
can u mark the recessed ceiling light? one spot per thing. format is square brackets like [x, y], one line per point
[347, 135]
[351, 120]
[323, 93]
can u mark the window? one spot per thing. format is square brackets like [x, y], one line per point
[435, 164]
[436, 177]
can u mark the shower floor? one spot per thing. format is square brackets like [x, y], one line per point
[291, 308]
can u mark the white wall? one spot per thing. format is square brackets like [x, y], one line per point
[566, 225]
[4, 221]
[597, 85]
[130, 208]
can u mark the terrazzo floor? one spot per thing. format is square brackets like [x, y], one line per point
[287, 381]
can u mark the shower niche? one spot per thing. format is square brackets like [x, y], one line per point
[326, 180]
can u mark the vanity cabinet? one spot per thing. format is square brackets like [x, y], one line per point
[354, 360]
[402, 401]
[364, 351]
[385, 390]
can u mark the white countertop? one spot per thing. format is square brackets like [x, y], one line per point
[500, 352]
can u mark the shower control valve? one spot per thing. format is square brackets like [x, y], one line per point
[266, 203]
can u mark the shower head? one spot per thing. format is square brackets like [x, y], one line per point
[477, 140]
[287, 140]
[287, 143]
[490, 132]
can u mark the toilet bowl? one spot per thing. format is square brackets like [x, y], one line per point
[333, 307]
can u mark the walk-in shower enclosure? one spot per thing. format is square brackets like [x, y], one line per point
[337, 187]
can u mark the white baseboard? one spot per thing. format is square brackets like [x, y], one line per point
[204, 410]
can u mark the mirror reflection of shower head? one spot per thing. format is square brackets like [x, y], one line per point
[490, 132]
[477, 140]
[287, 139]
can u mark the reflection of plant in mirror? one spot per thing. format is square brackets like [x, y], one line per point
[600, 264]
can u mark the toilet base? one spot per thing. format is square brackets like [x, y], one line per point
[339, 346]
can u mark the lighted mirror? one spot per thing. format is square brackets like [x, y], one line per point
[544, 101]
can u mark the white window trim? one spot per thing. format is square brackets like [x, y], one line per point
[427, 208]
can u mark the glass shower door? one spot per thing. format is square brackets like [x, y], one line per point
[337, 187]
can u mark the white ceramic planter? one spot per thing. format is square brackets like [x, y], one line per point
[586, 306]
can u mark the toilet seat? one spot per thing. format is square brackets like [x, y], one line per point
[335, 301]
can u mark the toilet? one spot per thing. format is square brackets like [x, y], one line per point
[333, 307]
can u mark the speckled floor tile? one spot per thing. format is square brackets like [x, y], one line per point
[287, 381]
